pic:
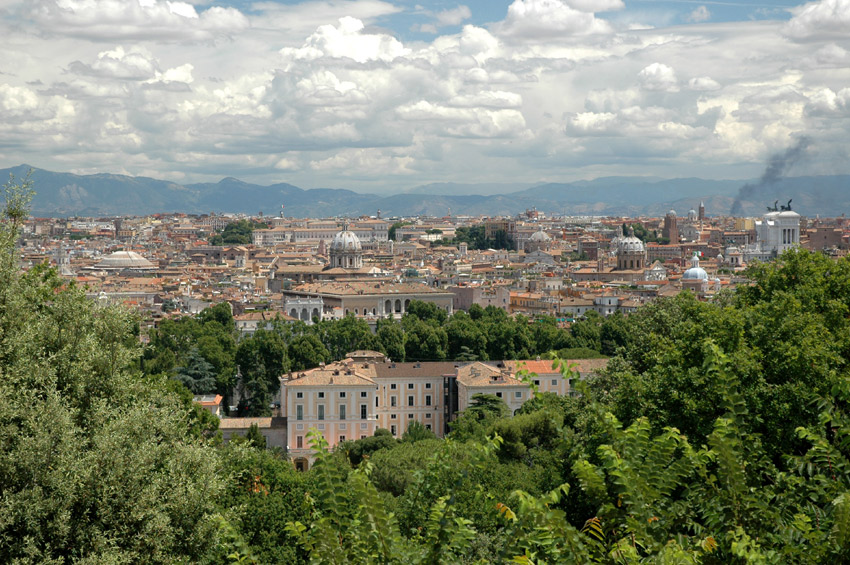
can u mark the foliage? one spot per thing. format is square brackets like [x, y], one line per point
[237, 233]
[97, 462]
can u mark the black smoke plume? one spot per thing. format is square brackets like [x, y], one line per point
[777, 166]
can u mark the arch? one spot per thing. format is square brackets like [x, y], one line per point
[374, 311]
[406, 304]
[293, 313]
[315, 313]
[305, 315]
[398, 306]
[301, 464]
[388, 307]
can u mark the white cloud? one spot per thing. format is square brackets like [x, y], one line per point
[703, 84]
[137, 63]
[550, 91]
[140, 19]
[348, 40]
[454, 17]
[820, 20]
[658, 76]
[542, 19]
[700, 14]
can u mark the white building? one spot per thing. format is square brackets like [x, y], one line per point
[776, 232]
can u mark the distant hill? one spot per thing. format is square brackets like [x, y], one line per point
[66, 194]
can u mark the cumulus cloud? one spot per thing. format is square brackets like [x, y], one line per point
[703, 84]
[136, 63]
[135, 19]
[820, 20]
[700, 14]
[659, 77]
[348, 40]
[454, 17]
[539, 19]
[322, 93]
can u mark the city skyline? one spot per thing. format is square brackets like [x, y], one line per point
[380, 96]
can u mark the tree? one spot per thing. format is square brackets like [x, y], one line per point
[423, 341]
[391, 337]
[97, 462]
[197, 375]
[306, 352]
[427, 312]
[255, 438]
[237, 233]
[262, 360]
[417, 432]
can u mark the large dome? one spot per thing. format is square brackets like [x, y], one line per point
[345, 241]
[695, 273]
[630, 244]
[124, 260]
[540, 235]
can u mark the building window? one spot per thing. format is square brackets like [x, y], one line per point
[392, 401]
[321, 395]
[363, 412]
[362, 436]
[342, 426]
[518, 394]
[427, 400]
[536, 382]
[341, 439]
[392, 386]
[428, 415]
[363, 394]
[299, 427]
[321, 408]
[299, 395]
[299, 442]
[410, 416]
[554, 382]
[393, 416]
[393, 430]
[428, 385]
[410, 400]
[299, 411]
[342, 394]
[364, 426]
[342, 412]
[427, 426]
[410, 386]
[499, 394]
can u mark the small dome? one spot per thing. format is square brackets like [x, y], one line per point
[539, 235]
[695, 272]
[345, 241]
[692, 212]
[124, 260]
[671, 212]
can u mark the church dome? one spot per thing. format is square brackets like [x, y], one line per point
[124, 260]
[695, 273]
[345, 241]
[671, 213]
[630, 244]
[540, 235]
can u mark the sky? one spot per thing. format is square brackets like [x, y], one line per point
[382, 95]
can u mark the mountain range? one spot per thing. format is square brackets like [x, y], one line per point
[66, 194]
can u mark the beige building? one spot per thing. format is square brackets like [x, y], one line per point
[481, 378]
[339, 401]
[371, 300]
[349, 400]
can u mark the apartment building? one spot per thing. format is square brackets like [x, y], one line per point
[349, 400]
